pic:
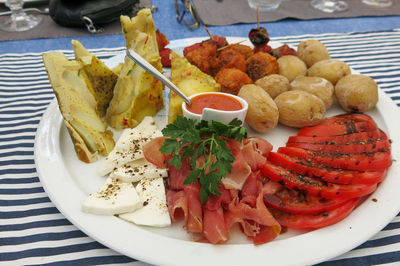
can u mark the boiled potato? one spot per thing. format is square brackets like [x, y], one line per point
[291, 66]
[262, 114]
[357, 93]
[312, 51]
[330, 69]
[273, 84]
[300, 109]
[316, 85]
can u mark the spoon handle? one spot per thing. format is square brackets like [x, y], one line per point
[152, 70]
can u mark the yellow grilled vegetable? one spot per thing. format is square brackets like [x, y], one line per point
[78, 107]
[99, 79]
[137, 93]
[190, 80]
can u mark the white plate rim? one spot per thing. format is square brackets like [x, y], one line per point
[140, 244]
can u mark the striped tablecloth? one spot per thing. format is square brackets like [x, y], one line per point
[33, 231]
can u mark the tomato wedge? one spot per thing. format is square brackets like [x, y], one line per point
[358, 162]
[314, 221]
[299, 202]
[315, 186]
[360, 137]
[332, 147]
[328, 174]
[325, 129]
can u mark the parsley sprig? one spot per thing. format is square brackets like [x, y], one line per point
[191, 140]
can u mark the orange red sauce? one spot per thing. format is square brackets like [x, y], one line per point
[214, 101]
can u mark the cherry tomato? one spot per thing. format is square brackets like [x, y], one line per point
[314, 221]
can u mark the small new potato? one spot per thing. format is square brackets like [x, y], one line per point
[262, 113]
[291, 66]
[316, 85]
[273, 84]
[330, 69]
[300, 109]
[357, 93]
[312, 51]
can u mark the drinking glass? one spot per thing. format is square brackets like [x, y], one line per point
[19, 20]
[330, 6]
[264, 5]
[378, 3]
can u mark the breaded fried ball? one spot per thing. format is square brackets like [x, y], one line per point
[261, 64]
[273, 84]
[232, 79]
[230, 58]
[204, 57]
[312, 51]
[245, 50]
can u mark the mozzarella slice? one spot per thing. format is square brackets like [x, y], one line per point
[129, 146]
[137, 170]
[154, 211]
[114, 197]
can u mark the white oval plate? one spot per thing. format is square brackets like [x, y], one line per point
[68, 182]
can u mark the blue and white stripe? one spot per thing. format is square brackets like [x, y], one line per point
[32, 230]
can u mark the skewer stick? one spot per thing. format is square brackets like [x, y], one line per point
[226, 46]
[208, 32]
[258, 18]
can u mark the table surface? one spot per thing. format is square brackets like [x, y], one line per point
[17, 185]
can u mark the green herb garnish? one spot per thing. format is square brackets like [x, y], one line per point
[191, 140]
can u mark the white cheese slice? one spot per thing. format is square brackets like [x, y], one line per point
[114, 197]
[129, 146]
[137, 170]
[154, 211]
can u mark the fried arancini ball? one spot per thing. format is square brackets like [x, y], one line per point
[261, 64]
[204, 57]
[230, 58]
[245, 50]
[232, 79]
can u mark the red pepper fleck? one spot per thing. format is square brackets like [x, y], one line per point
[147, 38]
[125, 122]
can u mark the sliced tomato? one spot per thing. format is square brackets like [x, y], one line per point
[360, 137]
[300, 202]
[325, 129]
[358, 162]
[315, 186]
[328, 174]
[362, 147]
[314, 221]
[354, 117]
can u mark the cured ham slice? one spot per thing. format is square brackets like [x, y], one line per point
[255, 150]
[238, 175]
[151, 152]
[177, 205]
[254, 220]
[177, 176]
[194, 222]
[215, 229]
